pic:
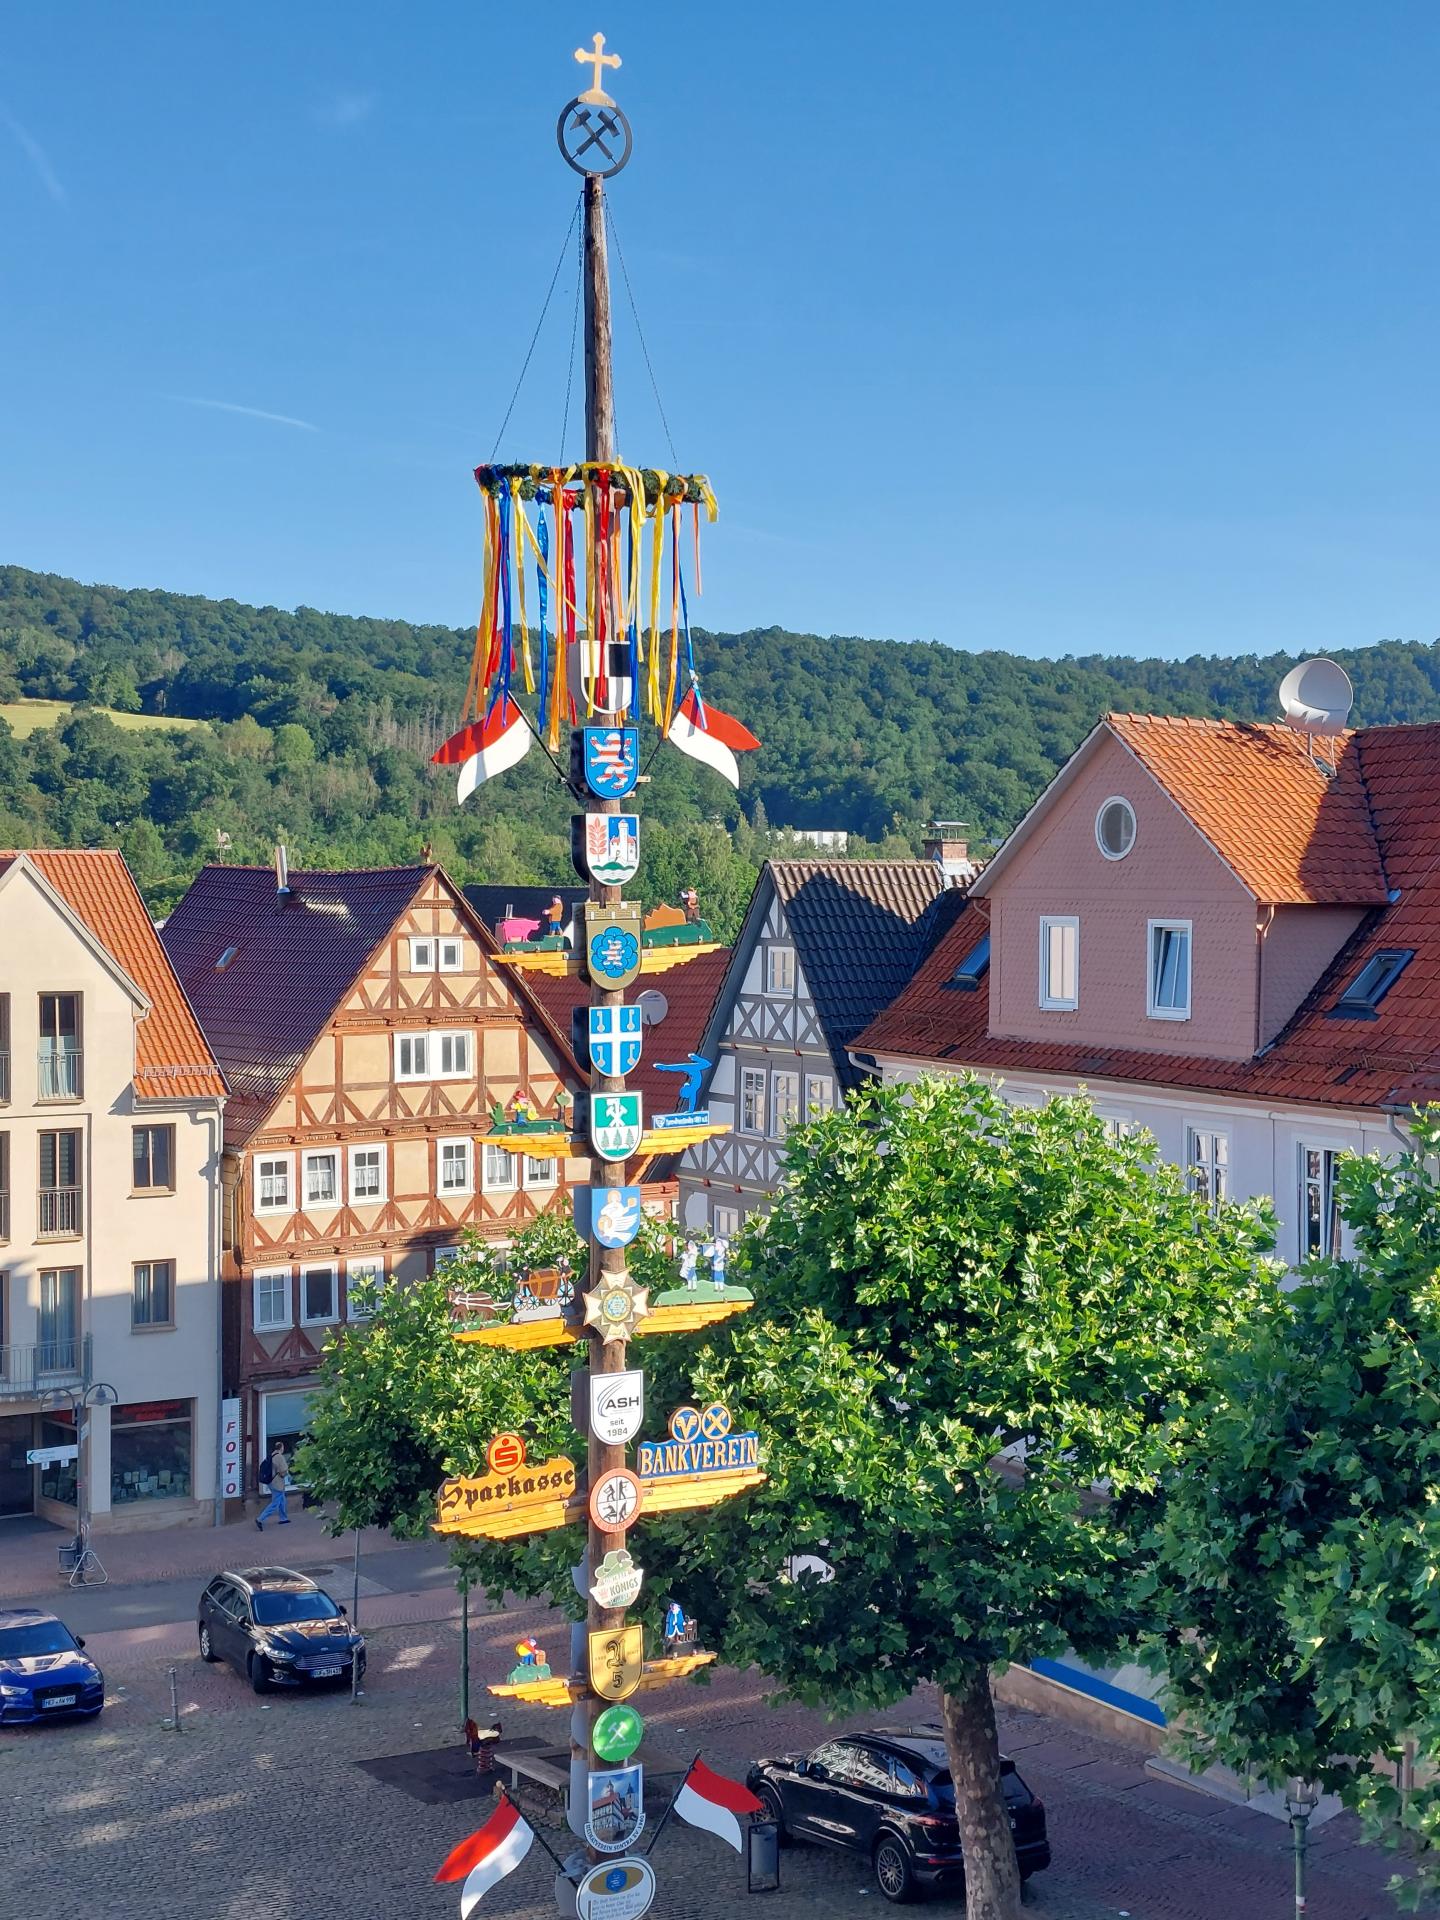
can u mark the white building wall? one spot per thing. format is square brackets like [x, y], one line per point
[41, 951]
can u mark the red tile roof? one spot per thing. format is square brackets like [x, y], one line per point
[689, 992]
[1291, 833]
[1392, 1059]
[172, 1058]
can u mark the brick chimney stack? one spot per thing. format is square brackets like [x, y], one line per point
[946, 846]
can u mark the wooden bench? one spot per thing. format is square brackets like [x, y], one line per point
[536, 1770]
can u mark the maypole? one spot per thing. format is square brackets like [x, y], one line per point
[613, 644]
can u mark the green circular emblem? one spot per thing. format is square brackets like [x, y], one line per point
[617, 1733]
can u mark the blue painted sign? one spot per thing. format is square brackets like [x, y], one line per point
[615, 1039]
[612, 760]
[700, 1442]
[610, 1215]
[612, 944]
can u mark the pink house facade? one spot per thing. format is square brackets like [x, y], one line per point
[1225, 935]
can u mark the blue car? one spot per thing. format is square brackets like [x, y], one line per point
[45, 1673]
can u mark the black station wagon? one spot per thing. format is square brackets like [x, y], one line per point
[277, 1628]
[888, 1796]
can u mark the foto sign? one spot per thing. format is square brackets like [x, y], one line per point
[230, 1477]
[617, 1406]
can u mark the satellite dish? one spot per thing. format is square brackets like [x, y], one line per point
[653, 1007]
[1316, 696]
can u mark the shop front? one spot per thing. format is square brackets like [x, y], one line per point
[283, 1414]
[17, 1476]
[151, 1451]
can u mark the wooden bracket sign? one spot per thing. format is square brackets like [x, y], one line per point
[510, 1501]
[565, 1692]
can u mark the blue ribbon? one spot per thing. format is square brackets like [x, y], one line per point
[507, 648]
[543, 591]
[634, 634]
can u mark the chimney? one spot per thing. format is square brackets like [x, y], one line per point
[946, 846]
[282, 873]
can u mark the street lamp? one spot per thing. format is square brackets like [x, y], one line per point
[79, 1401]
[1301, 1799]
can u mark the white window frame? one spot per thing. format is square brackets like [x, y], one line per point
[422, 1040]
[1207, 1164]
[308, 1319]
[492, 1185]
[450, 953]
[422, 953]
[467, 1155]
[369, 1199]
[1116, 800]
[1061, 1002]
[449, 1035]
[442, 1256]
[1329, 1205]
[1152, 947]
[287, 1206]
[724, 1222]
[336, 1159]
[366, 1266]
[284, 1275]
[826, 1101]
[780, 1125]
[541, 1182]
[754, 1079]
[778, 960]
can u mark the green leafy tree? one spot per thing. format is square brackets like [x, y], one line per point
[943, 1281]
[978, 1316]
[1300, 1548]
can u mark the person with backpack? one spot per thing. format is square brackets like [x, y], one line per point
[274, 1475]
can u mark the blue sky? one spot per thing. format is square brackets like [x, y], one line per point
[1051, 327]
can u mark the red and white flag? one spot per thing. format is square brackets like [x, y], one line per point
[707, 1799]
[486, 747]
[488, 1855]
[709, 735]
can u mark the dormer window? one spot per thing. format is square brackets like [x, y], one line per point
[1373, 982]
[973, 968]
[1115, 828]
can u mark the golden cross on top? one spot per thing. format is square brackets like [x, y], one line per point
[597, 58]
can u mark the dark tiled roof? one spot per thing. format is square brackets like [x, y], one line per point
[172, 1060]
[295, 958]
[494, 904]
[1392, 1059]
[860, 928]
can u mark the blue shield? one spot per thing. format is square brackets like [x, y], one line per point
[615, 1040]
[610, 1215]
[612, 760]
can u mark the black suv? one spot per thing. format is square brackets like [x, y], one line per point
[277, 1628]
[888, 1795]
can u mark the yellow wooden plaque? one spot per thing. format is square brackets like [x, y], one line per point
[564, 1692]
[617, 1661]
[502, 1506]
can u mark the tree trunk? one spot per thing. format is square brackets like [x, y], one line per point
[992, 1876]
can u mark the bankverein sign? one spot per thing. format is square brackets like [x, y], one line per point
[701, 1463]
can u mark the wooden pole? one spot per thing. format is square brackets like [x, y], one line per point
[605, 1356]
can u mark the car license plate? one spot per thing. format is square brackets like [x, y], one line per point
[60, 1700]
[324, 1673]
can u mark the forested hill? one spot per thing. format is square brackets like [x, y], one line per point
[320, 726]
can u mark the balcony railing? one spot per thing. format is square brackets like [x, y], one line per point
[27, 1372]
[60, 1076]
[61, 1211]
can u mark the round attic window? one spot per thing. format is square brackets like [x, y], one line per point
[1115, 828]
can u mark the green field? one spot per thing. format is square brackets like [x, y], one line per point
[25, 716]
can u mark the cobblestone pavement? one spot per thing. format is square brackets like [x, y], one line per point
[259, 1808]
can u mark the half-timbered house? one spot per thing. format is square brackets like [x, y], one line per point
[824, 946]
[370, 1044]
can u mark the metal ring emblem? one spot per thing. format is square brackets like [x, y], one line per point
[589, 135]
